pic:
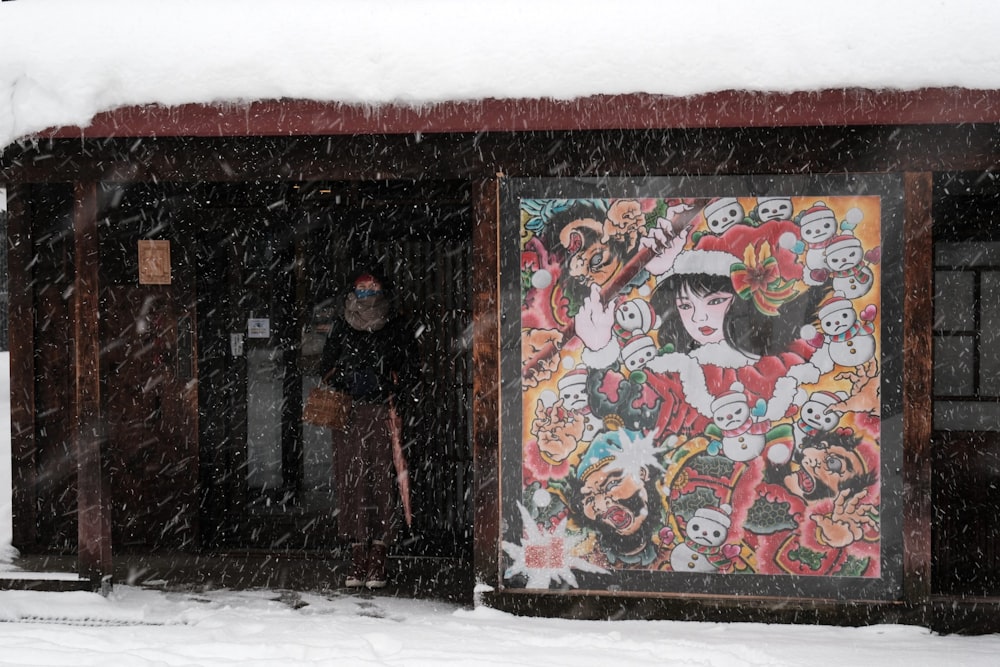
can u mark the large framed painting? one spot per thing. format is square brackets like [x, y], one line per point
[701, 385]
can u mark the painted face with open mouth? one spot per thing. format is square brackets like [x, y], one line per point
[615, 499]
[823, 471]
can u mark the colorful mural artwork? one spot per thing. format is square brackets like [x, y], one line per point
[699, 389]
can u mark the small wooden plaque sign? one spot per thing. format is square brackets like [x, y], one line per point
[154, 262]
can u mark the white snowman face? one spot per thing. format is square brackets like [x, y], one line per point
[641, 354]
[727, 213]
[574, 396]
[706, 532]
[629, 316]
[817, 415]
[839, 321]
[820, 230]
[775, 209]
[843, 259]
[731, 415]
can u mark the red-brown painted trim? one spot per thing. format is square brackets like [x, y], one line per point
[93, 501]
[918, 380]
[600, 112]
[486, 380]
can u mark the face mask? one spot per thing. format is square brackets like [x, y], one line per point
[365, 293]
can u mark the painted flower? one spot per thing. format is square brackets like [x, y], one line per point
[758, 277]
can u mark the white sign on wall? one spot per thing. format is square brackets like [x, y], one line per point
[258, 327]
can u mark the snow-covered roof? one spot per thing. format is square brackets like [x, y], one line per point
[63, 61]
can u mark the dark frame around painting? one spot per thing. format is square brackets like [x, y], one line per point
[701, 385]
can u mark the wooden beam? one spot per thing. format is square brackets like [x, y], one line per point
[486, 379]
[730, 108]
[272, 160]
[21, 332]
[918, 322]
[89, 431]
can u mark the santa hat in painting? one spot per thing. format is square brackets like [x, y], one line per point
[833, 305]
[719, 516]
[842, 242]
[719, 203]
[574, 379]
[638, 352]
[647, 315]
[716, 255]
[815, 213]
[573, 388]
[828, 398]
[734, 395]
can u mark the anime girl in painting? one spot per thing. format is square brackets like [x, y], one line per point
[733, 308]
[730, 310]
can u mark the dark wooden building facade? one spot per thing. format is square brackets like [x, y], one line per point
[150, 418]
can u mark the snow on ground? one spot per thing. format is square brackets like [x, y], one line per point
[272, 628]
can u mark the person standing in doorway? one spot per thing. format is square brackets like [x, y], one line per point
[367, 355]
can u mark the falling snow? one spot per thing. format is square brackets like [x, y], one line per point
[417, 53]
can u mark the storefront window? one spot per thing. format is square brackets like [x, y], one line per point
[966, 334]
[965, 451]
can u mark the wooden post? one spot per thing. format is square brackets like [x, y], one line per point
[918, 321]
[21, 332]
[486, 379]
[93, 502]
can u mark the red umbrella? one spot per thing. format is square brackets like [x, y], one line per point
[399, 461]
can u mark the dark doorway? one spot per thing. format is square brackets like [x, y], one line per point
[272, 267]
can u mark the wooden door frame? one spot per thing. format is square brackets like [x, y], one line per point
[88, 420]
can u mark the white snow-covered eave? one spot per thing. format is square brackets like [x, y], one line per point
[731, 108]
[64, 63]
